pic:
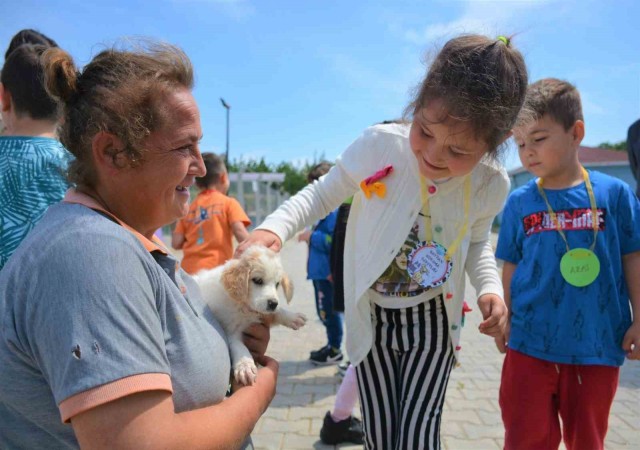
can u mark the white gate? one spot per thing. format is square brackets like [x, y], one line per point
[256, 193]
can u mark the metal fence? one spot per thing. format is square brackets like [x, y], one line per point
[257, 193]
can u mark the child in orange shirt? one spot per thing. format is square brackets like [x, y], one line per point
[205, 233]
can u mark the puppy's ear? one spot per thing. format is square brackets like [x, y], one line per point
[235, 280]
[287, 287]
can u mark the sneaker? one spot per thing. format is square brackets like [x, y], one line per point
[342, 368]
[347, 430]
[316, 353]
[326, 356]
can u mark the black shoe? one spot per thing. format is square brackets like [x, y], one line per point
[326, 356]
[347, 430]
[316, 353]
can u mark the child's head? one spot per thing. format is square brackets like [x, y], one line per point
[216, 176]
[22, 91]
[28, 36]
[318, 170]
[467, 104]
[550, 128]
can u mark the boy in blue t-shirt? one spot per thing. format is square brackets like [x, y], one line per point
[571, 283]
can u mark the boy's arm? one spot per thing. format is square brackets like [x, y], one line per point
[177, 240]
[631, 267]
[507, 273]
[239, 231]
[321, 238]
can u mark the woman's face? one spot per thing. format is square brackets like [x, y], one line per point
[159, 187]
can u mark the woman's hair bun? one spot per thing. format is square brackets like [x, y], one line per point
[61, 75]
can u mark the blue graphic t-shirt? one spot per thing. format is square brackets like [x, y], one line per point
[551, 319]
[32, 177]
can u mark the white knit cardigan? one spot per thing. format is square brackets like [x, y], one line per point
[377, 227]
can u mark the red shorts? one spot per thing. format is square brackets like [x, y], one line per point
[534, 393]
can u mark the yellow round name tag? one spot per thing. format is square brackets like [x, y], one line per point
[579, 267]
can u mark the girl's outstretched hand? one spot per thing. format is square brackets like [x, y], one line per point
[495, 314]
[259, 237]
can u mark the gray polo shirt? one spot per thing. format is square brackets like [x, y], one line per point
[84, 304]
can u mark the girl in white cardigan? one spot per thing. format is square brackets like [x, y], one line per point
[426, 193]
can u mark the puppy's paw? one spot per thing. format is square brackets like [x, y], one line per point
[296, 321]
[245, 371]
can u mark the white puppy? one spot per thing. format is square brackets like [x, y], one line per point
[245, 291]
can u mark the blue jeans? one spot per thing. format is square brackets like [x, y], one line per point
[324, 307]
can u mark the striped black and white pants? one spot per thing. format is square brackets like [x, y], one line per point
[403, 379]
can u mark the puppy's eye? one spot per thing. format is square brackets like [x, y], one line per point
[257, 281]
[277, 284]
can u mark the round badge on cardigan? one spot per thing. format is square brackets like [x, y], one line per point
[427, 264]
[579, 267]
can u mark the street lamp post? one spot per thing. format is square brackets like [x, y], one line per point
[227, 107]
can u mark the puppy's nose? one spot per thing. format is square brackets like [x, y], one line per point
[272, 305]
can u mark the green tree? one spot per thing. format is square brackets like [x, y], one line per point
[295, 178]
[619, 146]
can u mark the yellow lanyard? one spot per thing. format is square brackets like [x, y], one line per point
[427, 216]
[592, 201]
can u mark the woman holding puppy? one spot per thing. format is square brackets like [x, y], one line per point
[100, 328]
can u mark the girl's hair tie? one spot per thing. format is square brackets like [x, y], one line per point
[504, 39]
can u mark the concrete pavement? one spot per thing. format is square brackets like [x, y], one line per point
[471, 418]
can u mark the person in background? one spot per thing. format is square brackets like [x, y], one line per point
[110, 344]
[425, 196]
[570, 242]
[28, 36]
[339, 425]
[633, 150]
[32, 161]
[320, 239]
[206, 233]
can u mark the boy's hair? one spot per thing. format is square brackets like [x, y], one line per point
[29, 36]
[23, 78]
[481, 81]
[557, 98]
[318, 170]
[215, 167]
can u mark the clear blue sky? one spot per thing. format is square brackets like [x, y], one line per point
[304, 77]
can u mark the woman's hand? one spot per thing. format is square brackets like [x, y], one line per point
[259, 237]
[495, 314]
[256, 338]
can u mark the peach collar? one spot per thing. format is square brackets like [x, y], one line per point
[74, 196]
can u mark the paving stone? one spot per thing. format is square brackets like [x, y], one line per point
[285, 426]
[483, 431]
[276, 413]
[477, 444]
[291, 400]
[306, 412]
[296, 441]
[267, 441]
[451, 428]
[460, 417]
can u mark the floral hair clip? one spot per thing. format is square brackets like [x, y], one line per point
[373, 185]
